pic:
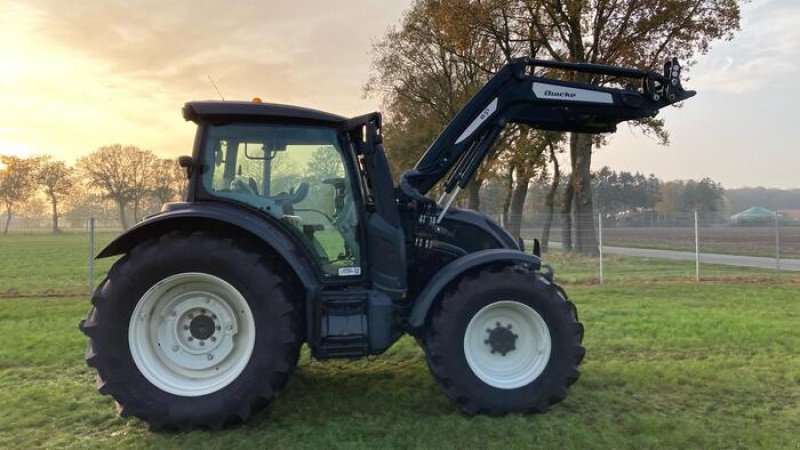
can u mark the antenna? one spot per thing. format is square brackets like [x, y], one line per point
[216, 88]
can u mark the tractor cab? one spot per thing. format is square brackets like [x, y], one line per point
[287, 163]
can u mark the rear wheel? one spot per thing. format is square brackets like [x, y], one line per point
[192, 331]
[504, 340]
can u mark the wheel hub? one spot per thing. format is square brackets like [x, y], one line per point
[501, 339]
[202, 327]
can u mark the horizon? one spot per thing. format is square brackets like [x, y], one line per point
[82, 76]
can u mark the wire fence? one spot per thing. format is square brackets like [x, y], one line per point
[598, 249]
[687, 246]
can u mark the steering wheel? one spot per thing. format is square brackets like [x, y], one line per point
[287, 200]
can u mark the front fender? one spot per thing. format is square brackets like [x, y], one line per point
[456, 268]
[228, 220]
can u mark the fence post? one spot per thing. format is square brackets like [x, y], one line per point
[777, 246]
[90, 272]
[600, 243]
[696, 249]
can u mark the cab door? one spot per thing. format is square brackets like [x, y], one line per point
[296, 174]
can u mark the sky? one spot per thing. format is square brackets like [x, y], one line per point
[78, 75]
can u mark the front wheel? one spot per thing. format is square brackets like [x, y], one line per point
[192, 331]
[504, 340]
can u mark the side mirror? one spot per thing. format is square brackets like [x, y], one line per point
[188, 163]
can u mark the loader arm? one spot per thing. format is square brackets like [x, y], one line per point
[516, 95]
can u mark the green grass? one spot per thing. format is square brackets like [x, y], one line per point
[47, 264]
[56, 265]
[668, 366]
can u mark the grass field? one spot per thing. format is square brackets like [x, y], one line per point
[670, 364]
[56, 265]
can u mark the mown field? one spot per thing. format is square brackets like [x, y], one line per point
[751, 241]
[748, 241]
[670, 364]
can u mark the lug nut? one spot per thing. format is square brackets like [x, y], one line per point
[210, 357]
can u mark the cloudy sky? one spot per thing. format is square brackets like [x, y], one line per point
[81, 74]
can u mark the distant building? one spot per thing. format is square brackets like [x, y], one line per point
[753, 216]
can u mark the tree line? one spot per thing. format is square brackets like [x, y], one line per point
[128, 183]
[133, 180]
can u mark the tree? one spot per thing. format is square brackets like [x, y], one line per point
[168, 180]
[704, 196]
[524, 155]
[550, 198]
[639, 33]
[17, 183]
[122, 174]
[58, 182]
[420, 71]
[624, 193]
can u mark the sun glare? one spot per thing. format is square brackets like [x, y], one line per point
[17, 149]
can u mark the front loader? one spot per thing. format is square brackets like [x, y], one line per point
[292, 231]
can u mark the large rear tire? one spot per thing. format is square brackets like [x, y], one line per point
[503, 340]
[192, 331]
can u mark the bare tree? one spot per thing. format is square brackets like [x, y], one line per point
[57, 181]
[17, 183]
[121, 173]
[168, 181]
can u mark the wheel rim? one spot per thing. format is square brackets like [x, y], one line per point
[507, 344]
[191, 334]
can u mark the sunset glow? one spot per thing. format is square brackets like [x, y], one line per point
[76, 76]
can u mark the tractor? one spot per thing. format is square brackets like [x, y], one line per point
[293, 232]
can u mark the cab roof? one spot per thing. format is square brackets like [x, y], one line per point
[237, 111]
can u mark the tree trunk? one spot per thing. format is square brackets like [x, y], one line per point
[474, 194]
[135, 211]
[518, 195]
[507, 200]
[8, 218]
[585, 237]
[566, 217]
[550, 201]
[55, 215]
[122, 219]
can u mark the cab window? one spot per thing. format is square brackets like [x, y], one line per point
[294, 173]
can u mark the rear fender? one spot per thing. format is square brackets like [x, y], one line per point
[457, 268]
[229, 221]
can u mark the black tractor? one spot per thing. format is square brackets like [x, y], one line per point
[292, 231]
